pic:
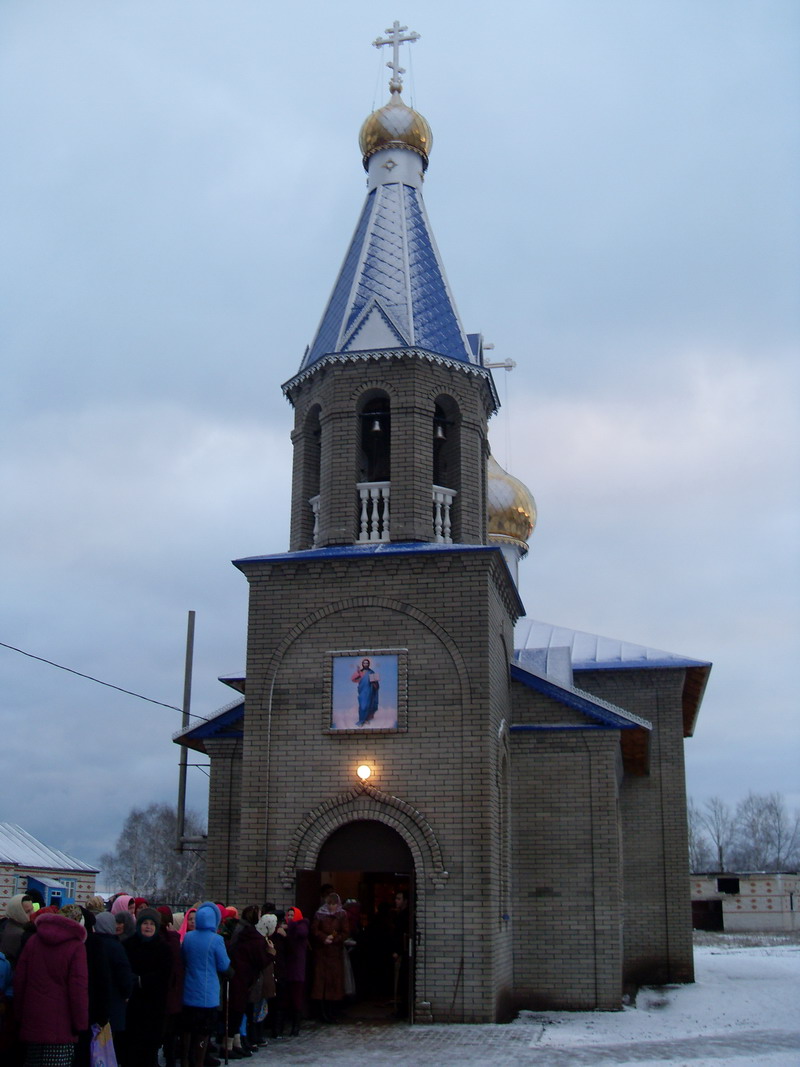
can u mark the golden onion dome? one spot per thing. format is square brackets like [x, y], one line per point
[511, 507]
[395, 126]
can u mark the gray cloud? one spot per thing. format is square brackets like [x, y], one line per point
[614, 193]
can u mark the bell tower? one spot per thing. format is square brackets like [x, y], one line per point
[392, 397]
[382, 638]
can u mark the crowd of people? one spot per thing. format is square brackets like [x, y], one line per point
[208, 983]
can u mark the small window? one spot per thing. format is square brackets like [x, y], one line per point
[727, 885]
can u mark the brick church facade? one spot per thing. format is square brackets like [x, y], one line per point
[526, 783]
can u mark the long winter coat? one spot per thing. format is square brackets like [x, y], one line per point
[172, 940]
[51, 987]
[110, 980]
[250, 956]
[151, 963]
[15, 929]
[296, 951]
[328, 981]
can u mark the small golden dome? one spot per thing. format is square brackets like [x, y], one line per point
[511, 507]
[395, 125]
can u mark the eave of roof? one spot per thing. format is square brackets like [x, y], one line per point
[224, 723]
[593, 652]
[388, 548]
[605, 715]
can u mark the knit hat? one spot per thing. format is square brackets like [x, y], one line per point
[95, 904]
[166, 915]
[139, 901]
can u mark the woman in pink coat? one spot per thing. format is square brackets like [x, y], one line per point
[51, 991]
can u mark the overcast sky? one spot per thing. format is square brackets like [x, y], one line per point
[614, 190]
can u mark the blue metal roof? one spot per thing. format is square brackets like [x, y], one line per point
[383, 548]
[391, 291]
[225, 722]
[604, 714]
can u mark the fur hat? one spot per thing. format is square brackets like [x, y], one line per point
[144, 915]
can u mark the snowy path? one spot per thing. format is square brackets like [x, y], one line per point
[743, 1010]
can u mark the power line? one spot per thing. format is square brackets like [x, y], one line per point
[89, 678]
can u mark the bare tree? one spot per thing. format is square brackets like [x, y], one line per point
[146, 863]
[700, 855]
[766, 835]
[719, 823]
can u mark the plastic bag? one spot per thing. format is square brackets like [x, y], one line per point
[101, 1047]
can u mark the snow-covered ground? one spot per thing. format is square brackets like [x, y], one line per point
[743, 1009]
[746, 996]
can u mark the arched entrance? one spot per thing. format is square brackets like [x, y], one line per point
[371, 867]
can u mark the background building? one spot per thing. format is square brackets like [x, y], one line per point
[26, 863]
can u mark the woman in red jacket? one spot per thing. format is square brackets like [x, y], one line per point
[51, 991]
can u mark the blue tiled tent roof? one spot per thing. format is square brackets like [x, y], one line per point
[392, 267]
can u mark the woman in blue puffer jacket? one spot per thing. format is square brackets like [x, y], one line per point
[205, 960]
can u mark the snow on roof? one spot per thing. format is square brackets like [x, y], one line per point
[590, 651]
[19, 847]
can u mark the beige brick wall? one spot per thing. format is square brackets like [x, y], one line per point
[658, 921]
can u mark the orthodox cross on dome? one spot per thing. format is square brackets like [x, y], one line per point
[395, 39]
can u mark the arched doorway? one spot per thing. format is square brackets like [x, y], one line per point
[370, 865]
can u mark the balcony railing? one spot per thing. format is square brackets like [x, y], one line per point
[374, 518]
[442, 505]
[374, 521]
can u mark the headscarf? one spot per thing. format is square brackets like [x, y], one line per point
[105, 923]
[51, 909]
[266, 924]
[139, 902]
[15, 910]
[332, 906]
[298, 915]
[167, 918]
[72, 911]
[128, 924]
[95, 904]
[122, 903]
[184, 930]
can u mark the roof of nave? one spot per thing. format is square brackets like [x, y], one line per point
[592, 652]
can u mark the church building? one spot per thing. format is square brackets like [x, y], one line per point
[401, 725]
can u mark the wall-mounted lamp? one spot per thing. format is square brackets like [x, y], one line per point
[363, 772]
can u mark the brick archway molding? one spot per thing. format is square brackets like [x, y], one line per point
[366, 802]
